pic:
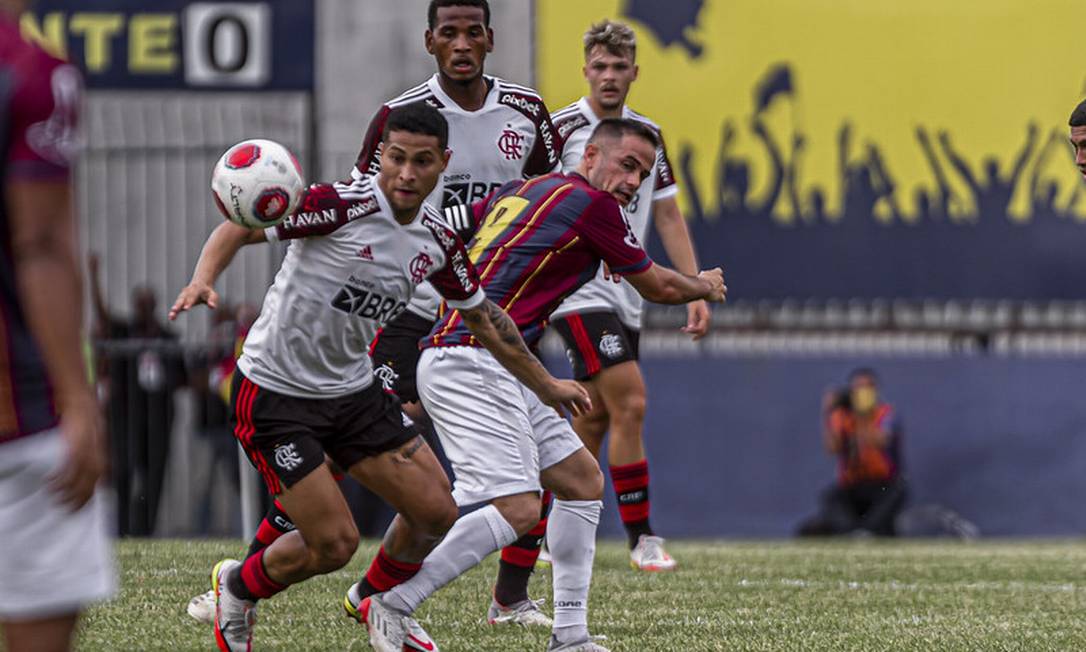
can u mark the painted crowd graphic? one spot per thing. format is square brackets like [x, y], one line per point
[878, 157]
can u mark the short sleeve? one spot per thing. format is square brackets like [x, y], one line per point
[325, 208]
[609, 235]
[369, 157]
[457, 281]
[546, 155]
[44, 141]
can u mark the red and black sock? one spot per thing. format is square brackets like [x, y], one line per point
[385, 572]
[251, 581]
[518, 561]
[276, 523]
[631, 483]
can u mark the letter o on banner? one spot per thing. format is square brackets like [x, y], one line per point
[227, 44]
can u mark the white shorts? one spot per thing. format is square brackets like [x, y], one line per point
[52, 561]
[496, 432]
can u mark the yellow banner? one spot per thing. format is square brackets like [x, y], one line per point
[903, 111]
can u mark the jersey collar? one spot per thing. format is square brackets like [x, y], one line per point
[439, 93]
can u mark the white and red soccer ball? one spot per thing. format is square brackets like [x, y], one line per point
[257, 183]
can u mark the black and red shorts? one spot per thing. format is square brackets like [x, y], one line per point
[395, 354]
[595, 341]
[287, 437]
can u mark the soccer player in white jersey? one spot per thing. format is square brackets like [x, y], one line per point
[600, 323]
[497, 131]
[305, 388]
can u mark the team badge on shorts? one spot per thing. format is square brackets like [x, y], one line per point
[287, 457]
[611, 345]
[387, 375]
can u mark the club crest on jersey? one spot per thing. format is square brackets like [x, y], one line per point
[611, 345]
[511, 145]
[420, 267]
[287, 457]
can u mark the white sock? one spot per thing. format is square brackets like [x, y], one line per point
[571, 540]
[471, 539]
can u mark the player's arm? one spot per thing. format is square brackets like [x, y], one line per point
[607, 232]
[46, 266]
[221, 247]
[675, 237]
[369, 155]
[495, 330]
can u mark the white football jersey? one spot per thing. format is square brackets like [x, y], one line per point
[510, 137]
[575, 124]
[350, 268]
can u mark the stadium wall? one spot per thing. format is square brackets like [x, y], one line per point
[735, 443]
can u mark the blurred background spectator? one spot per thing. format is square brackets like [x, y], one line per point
[864, 434]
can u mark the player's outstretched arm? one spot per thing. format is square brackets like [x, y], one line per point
[500, 335]
[662, 285]
[221, 247]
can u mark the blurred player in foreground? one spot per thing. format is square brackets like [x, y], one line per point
[56, 553]
[304, 386]
[537, 242]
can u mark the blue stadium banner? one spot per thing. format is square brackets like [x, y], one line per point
[180, 44]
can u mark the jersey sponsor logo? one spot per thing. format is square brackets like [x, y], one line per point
[271, 204]
[611, 345]
[312, 218]
[520, 102]
[243, 157]
[511, 145]
[354, 300]
[362, 208]
[420, 267]
[287, 457]
[467, 193]
[56, 139]
[441, 232]
[460, 268]
[366, 253]
[547, 137]
[387, 375]
[568, 126]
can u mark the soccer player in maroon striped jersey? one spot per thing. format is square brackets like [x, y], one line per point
[56, 555]
[601, 323]
[538, 241]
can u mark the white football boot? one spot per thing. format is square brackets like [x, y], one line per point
[234, 617]
[527, 613]
[649, 555]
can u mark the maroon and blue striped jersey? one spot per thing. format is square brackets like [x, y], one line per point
[39, 107]
[538, 241]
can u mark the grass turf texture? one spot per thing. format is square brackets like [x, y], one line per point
[850, 595]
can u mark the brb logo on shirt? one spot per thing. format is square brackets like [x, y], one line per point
[420, 267]
[511, 144]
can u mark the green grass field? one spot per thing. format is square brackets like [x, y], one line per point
[853, 595]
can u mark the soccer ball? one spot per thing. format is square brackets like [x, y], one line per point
[257, 183]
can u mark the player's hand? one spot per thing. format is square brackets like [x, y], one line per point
[717, 292]
[697, 319]
[566, 396]
[83, 432]
[193, 295]
[614, 278]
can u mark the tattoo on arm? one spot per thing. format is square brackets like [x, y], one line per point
[490, 315]
[411, 448]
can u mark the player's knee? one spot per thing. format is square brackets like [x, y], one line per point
[521, 512]
[439, 520]
[335, 551]
[630, 407]
[591, 485]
